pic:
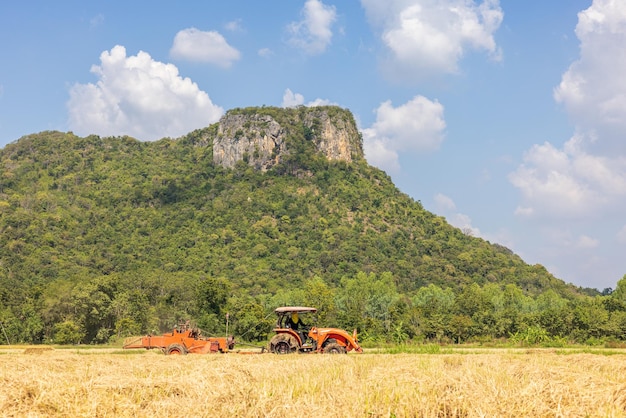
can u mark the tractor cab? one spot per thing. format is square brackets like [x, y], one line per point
[296, 321]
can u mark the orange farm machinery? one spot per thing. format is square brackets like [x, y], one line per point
[183, 340]
[290, 338]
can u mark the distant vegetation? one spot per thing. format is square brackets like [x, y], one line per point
[103, 238]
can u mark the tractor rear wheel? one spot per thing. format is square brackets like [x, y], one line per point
[282, 348]
[334, 348]
[176, 349]
[283, 344]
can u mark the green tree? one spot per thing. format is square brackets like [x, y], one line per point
[68, 332]
[590, 319]
[555, 314]
[321, 296]
[249, 320]
[364, 302]
[212, 295]
[434, 311]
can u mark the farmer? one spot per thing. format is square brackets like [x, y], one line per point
[296, 324]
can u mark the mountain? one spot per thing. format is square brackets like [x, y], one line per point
[239, 215]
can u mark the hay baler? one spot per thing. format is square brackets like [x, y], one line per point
[183, 340]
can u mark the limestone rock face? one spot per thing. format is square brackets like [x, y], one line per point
[262, 137]
[257, 138]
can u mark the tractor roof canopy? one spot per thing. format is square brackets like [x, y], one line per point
[298, 309]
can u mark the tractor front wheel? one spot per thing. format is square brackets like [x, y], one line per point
[176, 349]
[334, 348]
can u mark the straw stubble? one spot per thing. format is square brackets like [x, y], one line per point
[497, 383]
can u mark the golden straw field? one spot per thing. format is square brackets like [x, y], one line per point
[487, 383]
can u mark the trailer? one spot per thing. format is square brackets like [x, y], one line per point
[183, 340]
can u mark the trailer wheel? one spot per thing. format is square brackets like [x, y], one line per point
[334, 348]
[176, 349]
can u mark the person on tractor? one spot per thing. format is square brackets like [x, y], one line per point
[297, 325]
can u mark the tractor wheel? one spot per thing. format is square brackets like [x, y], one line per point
[334, 348]
[283, 344]
[176, 349]
[282, 348]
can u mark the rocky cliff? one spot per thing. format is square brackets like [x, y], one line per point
[262, 137]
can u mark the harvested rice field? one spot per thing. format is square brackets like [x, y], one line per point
[40, 382]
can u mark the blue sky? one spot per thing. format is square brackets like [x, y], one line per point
[508, 118]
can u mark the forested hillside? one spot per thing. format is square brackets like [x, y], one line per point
[108, 237]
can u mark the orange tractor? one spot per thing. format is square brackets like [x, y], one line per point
[183, 340]
[292, 335]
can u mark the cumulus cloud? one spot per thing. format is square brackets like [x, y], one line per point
[195, 45]
[291, 99]
[140, 97]
[378, 153]
[568, 182]
[425, 37]
[416, 126]
[593, 90]
[443, 202]
[588, 174]
[313, 33]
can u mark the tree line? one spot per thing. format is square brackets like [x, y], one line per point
[111, 308]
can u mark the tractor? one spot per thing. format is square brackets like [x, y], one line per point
[294, 336]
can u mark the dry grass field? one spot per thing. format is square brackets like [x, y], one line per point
[489, 383]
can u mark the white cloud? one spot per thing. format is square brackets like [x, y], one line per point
[593, 90]
[464, 223]
[443, 202]
[427, 37]
[140, 97]
[265, 52]
[234, 26]
[320, 102]
[568, 182]
[445, 205]
[313, 33]
[378, 153]
[416, 126]
[291, 99]
[586, 242]
[524, 211]
[96, 21]
[568, 241]
[587, 176]
[211, 47]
